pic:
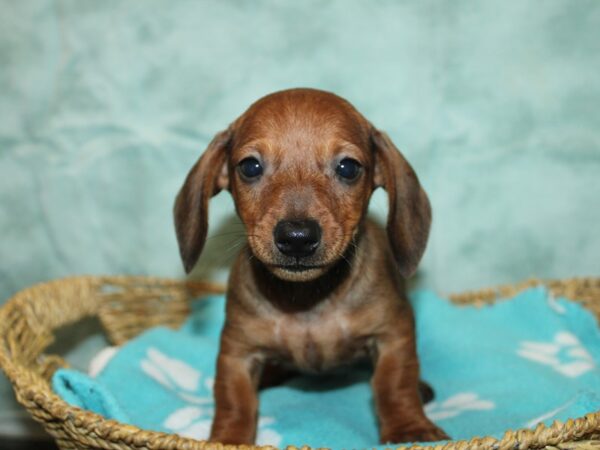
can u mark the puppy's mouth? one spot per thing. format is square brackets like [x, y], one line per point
[296, 256]
[297, 271]
[298, 267]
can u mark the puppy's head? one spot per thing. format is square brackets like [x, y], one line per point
[301, 166]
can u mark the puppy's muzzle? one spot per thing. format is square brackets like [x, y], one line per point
[297, 238]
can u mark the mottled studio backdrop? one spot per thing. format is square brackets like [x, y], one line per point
[104, 106]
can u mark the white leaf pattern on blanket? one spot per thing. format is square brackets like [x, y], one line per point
[456, 405]
[185, 382]
[564, 353]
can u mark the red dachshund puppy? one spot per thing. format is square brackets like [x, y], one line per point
[318, 285]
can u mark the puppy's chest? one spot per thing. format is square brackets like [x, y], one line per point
[316, 342]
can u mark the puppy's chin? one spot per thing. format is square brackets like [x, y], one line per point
[293, 274]
[290, 270]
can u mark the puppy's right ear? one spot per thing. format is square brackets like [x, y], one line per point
[207, 178]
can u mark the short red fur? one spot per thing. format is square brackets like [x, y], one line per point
[348, 302]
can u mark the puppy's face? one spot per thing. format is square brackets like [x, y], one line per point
[301, 175]
[301, 166]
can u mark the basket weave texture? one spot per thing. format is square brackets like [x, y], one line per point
[126, 306]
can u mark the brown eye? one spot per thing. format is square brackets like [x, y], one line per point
[250, 168]
[348, 169]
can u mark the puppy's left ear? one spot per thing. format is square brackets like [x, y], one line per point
[409, 216]
[207, 178]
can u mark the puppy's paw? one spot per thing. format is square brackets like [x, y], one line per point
[428, 432]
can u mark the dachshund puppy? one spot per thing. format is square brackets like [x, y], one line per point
[318, 285]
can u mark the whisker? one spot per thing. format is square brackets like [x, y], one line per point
[228, 251]
[234, 246]
[350, 263]
[218, 236]
[239, 234]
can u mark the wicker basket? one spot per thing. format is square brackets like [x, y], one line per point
[128, 305]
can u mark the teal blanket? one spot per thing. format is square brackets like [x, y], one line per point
[532, 359]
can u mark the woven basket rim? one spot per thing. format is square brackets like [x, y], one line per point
[110, 434]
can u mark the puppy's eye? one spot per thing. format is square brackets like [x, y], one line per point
[250, 168]
[348, 169]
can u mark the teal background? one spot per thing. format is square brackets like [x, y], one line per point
[104, 107]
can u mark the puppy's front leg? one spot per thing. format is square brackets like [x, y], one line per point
[396, 389]
[236, 402]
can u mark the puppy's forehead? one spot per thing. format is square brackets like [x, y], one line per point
[302, 117]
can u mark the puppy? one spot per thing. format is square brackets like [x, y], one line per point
[318, 285]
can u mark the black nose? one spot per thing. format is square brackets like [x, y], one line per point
[297, 237]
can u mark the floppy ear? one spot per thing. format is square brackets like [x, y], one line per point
[207, 178]
[409, 216]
